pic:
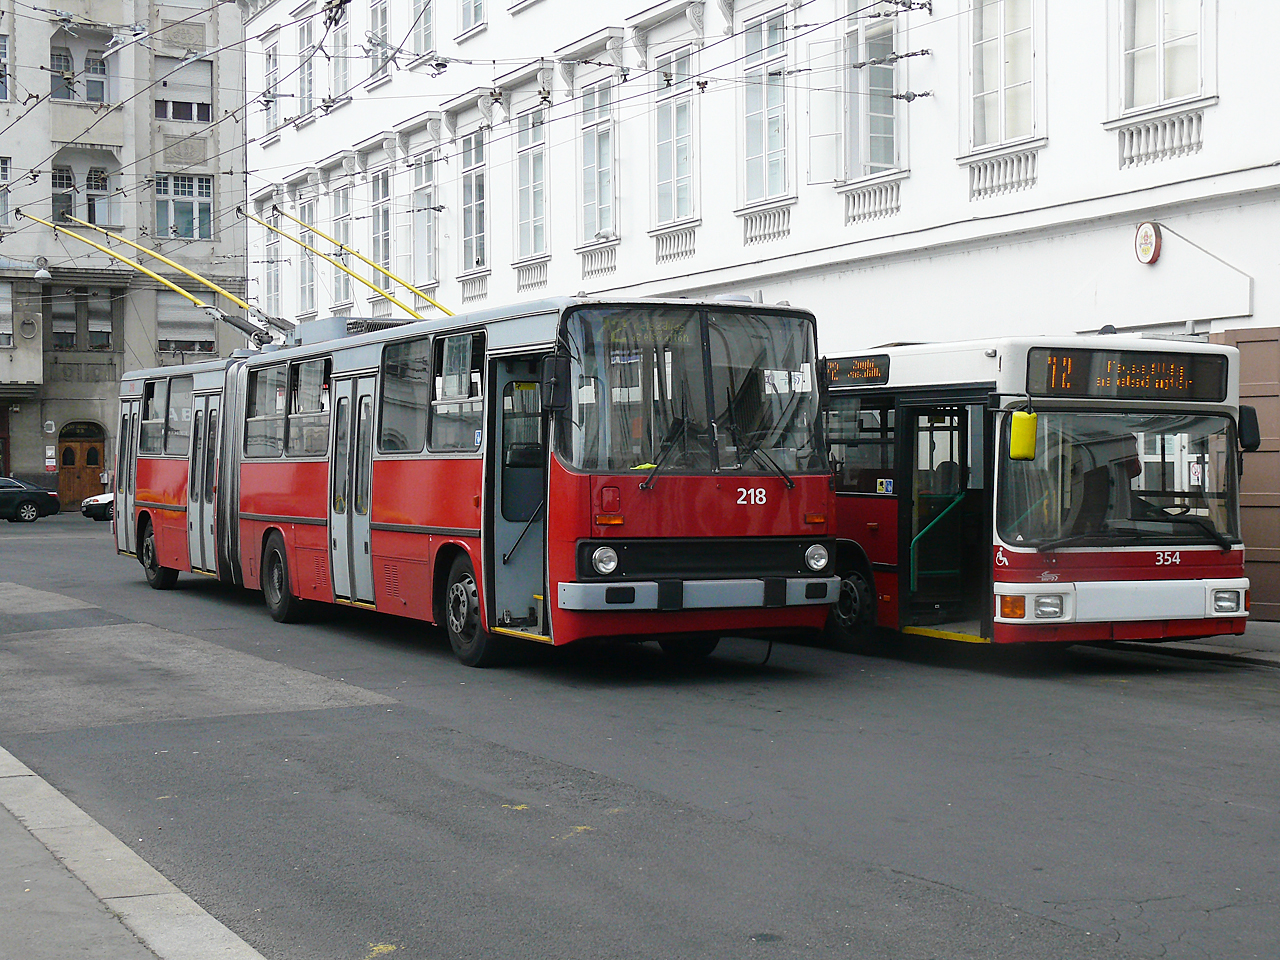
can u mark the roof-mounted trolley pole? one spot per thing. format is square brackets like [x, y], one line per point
[257, 334]
[279, 323]
[356, 253]
[240, 211]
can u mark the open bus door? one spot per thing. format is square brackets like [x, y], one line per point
[126, 475]
[944, 520]
[516, 513]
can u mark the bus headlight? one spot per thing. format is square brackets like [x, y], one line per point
[816, 557]
[605, 560]
[1049, 607]
[1226, 601]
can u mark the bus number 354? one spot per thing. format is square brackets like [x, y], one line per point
[752, 495]
[1165, 557]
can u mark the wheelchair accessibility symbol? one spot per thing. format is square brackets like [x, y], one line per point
[1001, 559]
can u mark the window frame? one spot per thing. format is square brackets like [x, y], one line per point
[270, 81]
[380, 227]
[306, 68]
[475, 256]
[768, 63]
[6, 314]
[531, 183]
[298, 418]
[6, 171]
[276, 419]
[596, 141]
[340, 204]
[1206, 58]
[59, 87]
[858, 110]
[307, 259]
[168, 199]
[443, 399]
[674, 99]
[423, 26]
[63, 185]
[424, 222]
[4, 70]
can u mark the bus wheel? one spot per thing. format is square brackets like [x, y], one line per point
[473, 646]
[853, 615]
[160, 578]
[283, 605]
[687, 651]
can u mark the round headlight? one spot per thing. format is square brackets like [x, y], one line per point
[816, 557]
[605, 560]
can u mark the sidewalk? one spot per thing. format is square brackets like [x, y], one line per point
[1260, 645]
[71, 889]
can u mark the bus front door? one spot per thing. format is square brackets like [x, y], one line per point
[350, 489]
[518, 485]
[126, 477]
[200, 484]
[941, 522]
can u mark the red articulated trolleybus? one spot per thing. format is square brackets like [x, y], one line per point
[551, 471]
[1068, 489]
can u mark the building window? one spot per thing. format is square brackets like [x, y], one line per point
[597, 162]
[674, 138]
[424, 222]
[270, 80]
[98, 200]
[272, 293]
[341, 233]
[339, 73]
[97, 303]
[95, 77]
[381, 197]
[765, 122]
[4, 67]
[186, 89]
[379, 38]
[63, 305]
[473, 224]
[871, 109]
[181, 327]
[422, 36]
[1161, 51]
[307, 267]
[306, 69]
[472, 14]
[64, 193]
[1002, 72]
[6, 164]
[61, 73]
[531, 215]
[6, 313]
[184, 206]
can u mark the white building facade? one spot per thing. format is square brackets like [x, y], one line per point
[909, 170]
[118, 113]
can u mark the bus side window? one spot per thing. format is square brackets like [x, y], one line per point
[177, 439]
[457, 407]
[860, 433]
[406, 397]
[308, 426]
[264, 411]
[155, 405]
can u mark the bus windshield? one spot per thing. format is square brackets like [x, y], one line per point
[1121, 478]
[689, 390]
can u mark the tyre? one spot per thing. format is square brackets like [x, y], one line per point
[472, 645]
[276, 590]
[160, 578]
[687, 651]
[852, 620]
[28, 512]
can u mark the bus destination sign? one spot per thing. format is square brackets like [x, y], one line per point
[1126, 374]
[859, 371]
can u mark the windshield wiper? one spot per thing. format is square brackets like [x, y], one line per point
[755, 451]
[769, 461]
[1097, 538]
[1207, 526]
[679, 430]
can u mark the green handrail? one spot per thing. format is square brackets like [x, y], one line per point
[915, 573]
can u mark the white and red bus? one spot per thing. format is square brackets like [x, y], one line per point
[1069, 489]
[552, 471]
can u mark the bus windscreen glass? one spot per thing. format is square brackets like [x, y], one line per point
[691, 390]
[1126, 374]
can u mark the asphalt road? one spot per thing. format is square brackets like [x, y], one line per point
[342, 788]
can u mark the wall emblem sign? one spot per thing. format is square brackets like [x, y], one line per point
[1146, 242]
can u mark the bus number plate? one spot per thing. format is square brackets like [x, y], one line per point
[1166, 557]
[751, 495]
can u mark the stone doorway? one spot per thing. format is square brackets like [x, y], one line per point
[81, 448]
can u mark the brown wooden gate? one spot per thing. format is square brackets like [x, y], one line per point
[1260, 485]
[80, 463]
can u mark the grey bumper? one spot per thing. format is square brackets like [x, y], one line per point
[771, 592]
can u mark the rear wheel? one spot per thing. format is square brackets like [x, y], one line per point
[28, 512]
[852, 619]
[472, 644]
[688, 650]
[284, 606]
[160, 578]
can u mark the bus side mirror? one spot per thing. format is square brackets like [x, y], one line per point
[555, 382]
[1250, 434]
[1022, 436]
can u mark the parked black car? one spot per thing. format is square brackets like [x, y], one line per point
[24, 502]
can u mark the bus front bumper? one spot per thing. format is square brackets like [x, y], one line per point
[768, 592]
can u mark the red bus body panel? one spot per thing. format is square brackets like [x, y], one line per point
[164, 481]
[872, 523]
[283, 489]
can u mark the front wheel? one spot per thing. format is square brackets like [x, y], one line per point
[281, 602]
[472, 644]
[160, 578]
[28, 512]
[853, 615]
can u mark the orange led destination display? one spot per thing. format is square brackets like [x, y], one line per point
[1126, 374]
[859, 371]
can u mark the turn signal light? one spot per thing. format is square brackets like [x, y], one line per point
[1015, 608]
[815, 518]
[606, 520]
